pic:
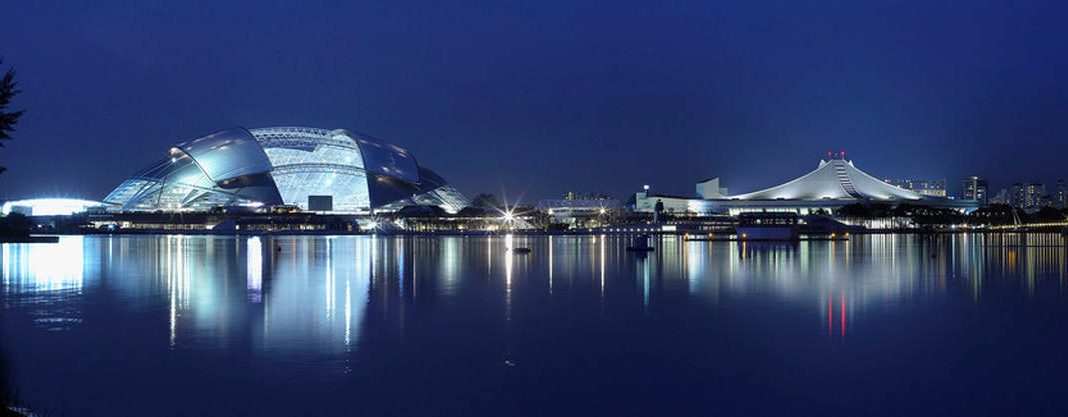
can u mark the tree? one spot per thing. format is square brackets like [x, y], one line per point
[15, 224]
[994, 214]
[1047, 214]
[8, 119]
[857, 210]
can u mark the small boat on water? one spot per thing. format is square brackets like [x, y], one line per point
[520, 251]
[768, 226]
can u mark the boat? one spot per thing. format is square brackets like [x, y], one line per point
[520, 251]
[768, 226]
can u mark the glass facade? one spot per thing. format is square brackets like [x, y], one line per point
[285, 165]
[316, 162]
[174, 183]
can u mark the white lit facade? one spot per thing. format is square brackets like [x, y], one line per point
[342, 171]
[833, 184]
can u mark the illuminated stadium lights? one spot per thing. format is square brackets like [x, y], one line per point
[47, 206]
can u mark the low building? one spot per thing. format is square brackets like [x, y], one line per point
[932, 188]
[580, 211]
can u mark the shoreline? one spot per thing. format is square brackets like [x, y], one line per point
[53, 237]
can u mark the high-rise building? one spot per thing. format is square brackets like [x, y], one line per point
[1036, 196]
[933, 188]
[1029, 196]
[1017, 195]
[975, 188]
[1060, 195]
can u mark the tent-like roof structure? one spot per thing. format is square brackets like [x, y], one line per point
[835, 179]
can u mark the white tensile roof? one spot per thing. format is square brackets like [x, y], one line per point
[835, 179]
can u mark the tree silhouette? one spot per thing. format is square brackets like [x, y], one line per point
[8, 119]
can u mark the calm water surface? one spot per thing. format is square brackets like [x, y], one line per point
[378, 326]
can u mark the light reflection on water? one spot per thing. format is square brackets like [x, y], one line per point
[316, 302]
[314, 291]
[44, 279]
[43, 267]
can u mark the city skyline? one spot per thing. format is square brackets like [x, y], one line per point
[765, 208]
[594, 98]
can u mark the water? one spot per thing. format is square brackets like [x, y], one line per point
[200, 325]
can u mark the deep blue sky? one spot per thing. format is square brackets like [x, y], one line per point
[546, 97]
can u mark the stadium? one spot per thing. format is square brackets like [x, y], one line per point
[315, 170]
[835, 183]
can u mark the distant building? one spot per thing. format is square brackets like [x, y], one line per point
[834, 183]
[1017, 195]
[1028, 196]
[577, 210]
[1036, 196]
[975, 188]
[571, 195]
[933, 188]
[47, 206]
[1060, 195]
[1002, 197]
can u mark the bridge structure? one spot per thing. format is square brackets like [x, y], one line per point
[1028, 227]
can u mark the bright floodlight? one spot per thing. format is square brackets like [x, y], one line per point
[508, 216]
[48, 206]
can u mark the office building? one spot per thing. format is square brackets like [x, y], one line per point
[975, 188]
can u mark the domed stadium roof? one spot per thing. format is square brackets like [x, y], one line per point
[314, 169]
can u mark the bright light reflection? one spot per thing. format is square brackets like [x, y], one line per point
[44, 267]
[255, 269]
[319, 297]
[49, 206]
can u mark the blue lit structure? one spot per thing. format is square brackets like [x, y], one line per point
[351, 172]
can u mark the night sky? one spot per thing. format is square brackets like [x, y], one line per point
[540, 98]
